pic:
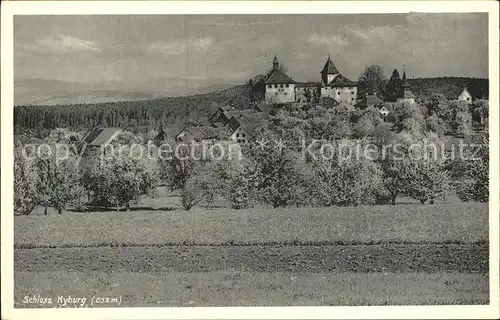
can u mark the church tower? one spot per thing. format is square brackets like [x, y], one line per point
[405, 94]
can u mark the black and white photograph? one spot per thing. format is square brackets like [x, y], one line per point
[250, 159]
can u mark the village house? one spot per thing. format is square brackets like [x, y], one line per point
[97, 139]
[201, 134]
[460, 95]
[465, 96]
[166, 136]
[369, 100]
[222, 116]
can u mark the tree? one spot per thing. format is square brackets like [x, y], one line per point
[26, 196]
[189, 194]
[480, 113]
[176, 169]
[239, 186]
[425, 172]
[371, 80]
[392, 89]
[436, 104]
[343, 179]
[435, 124]
[126, 138]
[63, 135]
[369, 119]
[273, 171]
[408, 116]
[121, 179]
[59, 178]
[475, 184]
[460, 119]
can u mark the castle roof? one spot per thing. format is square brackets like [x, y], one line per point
[329, 67]
[278, 77]
[308, 84]
[341, 81]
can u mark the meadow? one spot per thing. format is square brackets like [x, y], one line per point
[440, 223]
[366, 255]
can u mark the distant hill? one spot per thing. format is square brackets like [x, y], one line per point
[34, 91]
[137, 116]
[147, 114]
[450, 87]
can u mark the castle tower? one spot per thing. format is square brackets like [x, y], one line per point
[275, 63]
[329, 72]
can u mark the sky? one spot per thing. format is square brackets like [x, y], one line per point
[72, 59]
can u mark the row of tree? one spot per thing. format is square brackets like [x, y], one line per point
[276, 177]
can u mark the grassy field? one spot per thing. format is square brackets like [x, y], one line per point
[234, 288]
[440, 223]
[373, 255]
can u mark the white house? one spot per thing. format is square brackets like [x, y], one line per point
[465, 96]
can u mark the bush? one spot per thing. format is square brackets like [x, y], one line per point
[189, 195]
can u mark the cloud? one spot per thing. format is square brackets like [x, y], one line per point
[318, 39]
[179, 46]
[374, 34]
[60, 45]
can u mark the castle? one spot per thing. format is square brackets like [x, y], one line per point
[280, 88]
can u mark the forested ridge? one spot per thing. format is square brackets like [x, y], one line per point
[144, 115]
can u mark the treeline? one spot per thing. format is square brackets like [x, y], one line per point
[136, 116]
[266, 175]
[450, 87]
[286, 175]
[145, 115]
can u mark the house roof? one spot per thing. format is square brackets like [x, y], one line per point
[226, 108]
[168, 133]
[250, 119]
[329, 67]
[238, 113]
[278, 77]
[328, 101]
[454, 92]
[249, 128]
[372, 99]
[206, 132]
[261, 108]
[406, 93]
[101, 136]
[341, 81]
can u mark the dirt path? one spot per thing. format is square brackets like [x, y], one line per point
[340, 258]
